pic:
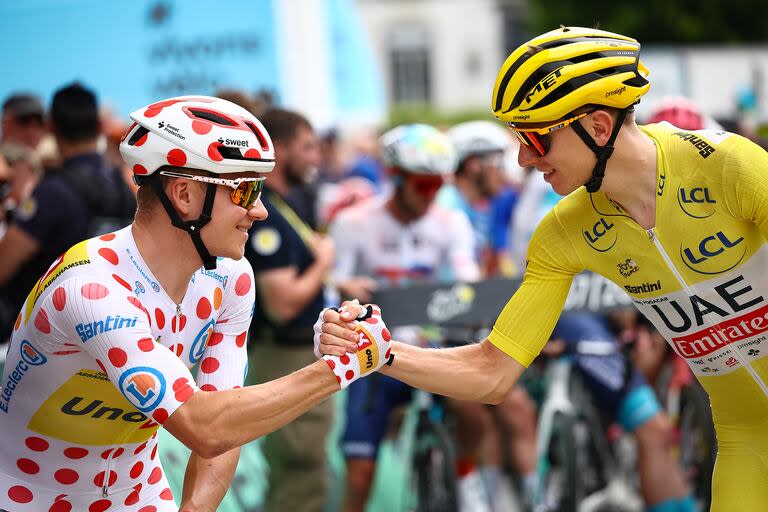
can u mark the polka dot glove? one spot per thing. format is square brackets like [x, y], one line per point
[373, 347]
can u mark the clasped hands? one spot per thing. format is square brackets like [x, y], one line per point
[353, 340]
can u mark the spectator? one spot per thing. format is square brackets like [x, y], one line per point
[366, 163]
[6, 178]
[84, 197]
[682, 113]
[112, 129]
[24, 170]
[247, 101]
[23, 120]
[290, 263]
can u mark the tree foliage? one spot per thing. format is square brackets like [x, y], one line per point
[660, 21]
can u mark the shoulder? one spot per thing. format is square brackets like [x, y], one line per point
[565, 220]
[701, 151]
[229, 275]
[446, 216]
[51, 198]
[359, 214]
[90, 271]
[571, 209]
[57, 188]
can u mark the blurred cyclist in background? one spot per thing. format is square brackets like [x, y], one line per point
[478, 180]
[397, 240]
[683, 113]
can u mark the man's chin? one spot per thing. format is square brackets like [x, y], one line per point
[233, 253]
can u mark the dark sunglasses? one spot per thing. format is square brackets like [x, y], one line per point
[426, 185]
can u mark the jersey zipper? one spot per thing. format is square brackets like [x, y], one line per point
[105, 486]
[105, 489]
[655, 240]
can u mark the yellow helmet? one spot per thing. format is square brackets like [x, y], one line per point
[554, 74]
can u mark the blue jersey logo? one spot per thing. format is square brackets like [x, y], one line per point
[30, 354]
[200, 342]
[144, 387]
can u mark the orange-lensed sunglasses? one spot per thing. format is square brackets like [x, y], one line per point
[538, 139]
[245, 191]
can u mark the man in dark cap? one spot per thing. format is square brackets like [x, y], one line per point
[86, 196]
[23, 120]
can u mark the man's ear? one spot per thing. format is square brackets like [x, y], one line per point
[182, 195]
[600, 126]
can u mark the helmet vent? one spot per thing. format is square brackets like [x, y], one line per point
[262, 140]
[636, 81]
[212, 116]
[137, 135]
[232, 153]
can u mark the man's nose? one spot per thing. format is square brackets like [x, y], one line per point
[258, 211]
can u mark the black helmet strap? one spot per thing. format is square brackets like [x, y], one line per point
[603, 153]
[192, 227]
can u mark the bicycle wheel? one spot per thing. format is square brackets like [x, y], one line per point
[434, 466]
[561, 484]
[575, 465]
[698, 441]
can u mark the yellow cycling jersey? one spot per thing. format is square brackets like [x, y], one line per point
[700, 274]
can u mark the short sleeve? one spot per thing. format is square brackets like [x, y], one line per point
[224, 362]
[526, 322]
[112, 325]
[745, 182]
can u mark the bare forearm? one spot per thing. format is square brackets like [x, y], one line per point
[207, 480]
[464, 373]
[234, 417]
[286, 301]
[307, 285]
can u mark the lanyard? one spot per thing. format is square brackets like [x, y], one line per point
[305, 232]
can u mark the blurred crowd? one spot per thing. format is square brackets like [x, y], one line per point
[62, 180]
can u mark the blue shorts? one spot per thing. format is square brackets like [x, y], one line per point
[370, 402]
[618, 389]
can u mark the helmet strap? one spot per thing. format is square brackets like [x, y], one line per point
[192, 227]
[603, 153]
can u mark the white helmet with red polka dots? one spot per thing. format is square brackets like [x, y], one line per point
[197, 132]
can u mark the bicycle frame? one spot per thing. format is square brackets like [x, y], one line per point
[562, 400]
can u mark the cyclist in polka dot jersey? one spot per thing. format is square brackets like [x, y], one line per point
[102, 350]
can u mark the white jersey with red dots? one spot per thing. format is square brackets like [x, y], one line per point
[100, 357]
[371, 242]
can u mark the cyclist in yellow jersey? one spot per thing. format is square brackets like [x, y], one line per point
[678, 219]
